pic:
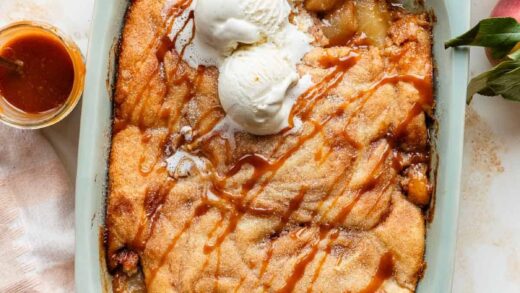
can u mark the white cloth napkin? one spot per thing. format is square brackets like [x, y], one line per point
[36, 216]
[36, 193]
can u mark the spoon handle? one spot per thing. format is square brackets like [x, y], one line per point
[10, 64]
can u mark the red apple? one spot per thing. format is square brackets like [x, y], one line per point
[505, 8]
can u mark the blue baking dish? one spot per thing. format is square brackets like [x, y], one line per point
[452, 76]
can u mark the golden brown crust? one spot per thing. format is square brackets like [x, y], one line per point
[321, 209]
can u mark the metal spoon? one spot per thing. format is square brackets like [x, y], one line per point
[12, 65]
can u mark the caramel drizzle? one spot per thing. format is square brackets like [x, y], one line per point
[200, 210]
[240, 284]
[387, 186]
[294, 205]
[325, 231]
[317, 272]
[145, 170]
[323, 88]
[256, 161]
[384, 272]
[308, 100]
[422, 84]
[161, 54]
[192, 86]
[152, 213]
[201, 132]
[157, 43]
[342, 215]
[318, 155]
[301, 265]
[262, 166]
[426, 98]
[217, 270]
[328, 248]
[329, 192]
[175, 11]
[299, 270]
[164, 46]
[210, 234]
[425, 89]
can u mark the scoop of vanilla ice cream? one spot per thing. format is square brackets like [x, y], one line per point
[253, 84]
[224, 24]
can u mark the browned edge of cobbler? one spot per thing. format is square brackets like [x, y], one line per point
[111, 81]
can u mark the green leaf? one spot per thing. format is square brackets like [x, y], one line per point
[507, 85]
[477, 85]
[515, 55]
[504, 80]
[499, 34]
[500, 53]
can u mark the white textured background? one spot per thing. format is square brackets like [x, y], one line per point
[488, 253]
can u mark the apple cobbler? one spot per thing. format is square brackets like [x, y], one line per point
[334, 200]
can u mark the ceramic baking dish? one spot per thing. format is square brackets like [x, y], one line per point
[452, 76]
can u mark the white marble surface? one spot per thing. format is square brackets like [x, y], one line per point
[488, 253]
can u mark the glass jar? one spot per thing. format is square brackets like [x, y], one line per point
[15, 117]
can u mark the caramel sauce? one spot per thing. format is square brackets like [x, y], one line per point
[217, 225]
[200, 210]
[262, 167]
[165, 46]
[325, 230]
[301, 265]
[318, 155]
[46, 78]
[328, 250]
[154, 200]
[217, 271]
[175, 11]
[348, 138]
[265, 168]
[161, 44]
[423, 85]
[384, 272]
[240, 283]
[345, 211]
[294, 205]
[332, 234]
[230, 228]
[383, 190]
[146, 138]
[307, 101]
[325, 157]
